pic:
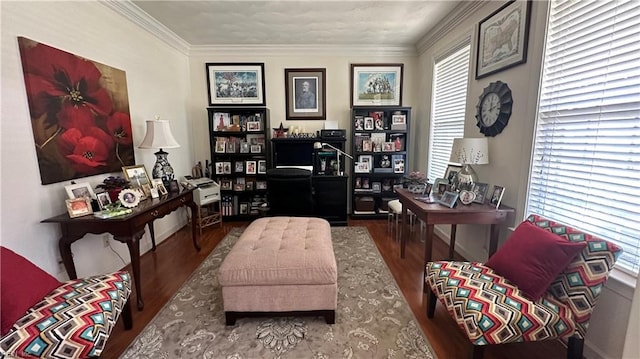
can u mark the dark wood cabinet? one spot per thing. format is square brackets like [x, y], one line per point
[330, 194]
[380, 143]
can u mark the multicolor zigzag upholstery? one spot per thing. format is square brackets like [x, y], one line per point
[491, 310]
[73, 321]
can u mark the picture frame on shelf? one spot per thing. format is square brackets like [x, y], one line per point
[358, 124]
[262, 166]
[503, 38]
[244, 208]
[376, 84]
[397, 161]
[449, 199]
[398, 122]
[249, 186]
[305, 93]
[238, 187]
[256, 148]
[480, 189]
[369, 124]
[78, 207]
[239, 167]
[219, 168]
[253, 126]
[80, 190]
[237, 84]
[221, 146]
[226, 167]
[251, 167]
[226, 184]
[222, 120]
[496, 197]
[231, 147]
[261, 185]
[244, 147]
[136, 175]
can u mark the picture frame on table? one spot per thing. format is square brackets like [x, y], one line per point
[305, 94]
[496, 197]
[440, 185]
[503, 38]
[376, 85]
[80, 190]
[103, 200]
[449, 199]
[452, 172]
[136, 175]
[480, 189]
[78, 207]
[237, 84]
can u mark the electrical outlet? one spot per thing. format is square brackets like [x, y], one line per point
[105, 241]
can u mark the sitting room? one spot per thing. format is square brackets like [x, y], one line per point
[461, 204]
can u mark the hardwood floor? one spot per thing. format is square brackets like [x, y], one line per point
[164, 271]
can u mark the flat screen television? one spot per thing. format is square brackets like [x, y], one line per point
[293, 155]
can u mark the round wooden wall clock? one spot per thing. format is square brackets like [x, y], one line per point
[494, 108]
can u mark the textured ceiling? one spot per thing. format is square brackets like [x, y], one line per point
[298, 22]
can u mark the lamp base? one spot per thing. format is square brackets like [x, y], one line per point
[162, 168]
[465, 179]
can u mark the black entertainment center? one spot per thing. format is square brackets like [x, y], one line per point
[329, 182]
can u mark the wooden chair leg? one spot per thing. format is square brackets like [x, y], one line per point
[477, 351]
[574, 348]
[127, 318]
[432, 300]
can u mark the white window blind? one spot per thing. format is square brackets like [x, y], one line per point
[450, 78]
[586, 158]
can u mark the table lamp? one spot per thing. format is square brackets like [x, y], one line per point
[159, 136]
[467, 152]
[320, 145]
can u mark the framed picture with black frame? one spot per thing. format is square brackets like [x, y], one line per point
[305, 94]
[236, 84]
[503, 38]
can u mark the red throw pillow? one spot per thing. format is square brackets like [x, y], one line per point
[532, 258]
[22, 285]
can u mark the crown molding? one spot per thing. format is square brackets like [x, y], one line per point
[140, 18]
[303, 50]
[454, 19]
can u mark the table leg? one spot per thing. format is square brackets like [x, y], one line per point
[64, 247]
[194, 227]
[133, 243]
[493, 239]
[452, 242]
[405, 230]
[428, 248]
[152, 233]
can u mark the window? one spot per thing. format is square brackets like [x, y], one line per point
[450, 78]
[586, 158]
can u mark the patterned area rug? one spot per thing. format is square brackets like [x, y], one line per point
[373, 319]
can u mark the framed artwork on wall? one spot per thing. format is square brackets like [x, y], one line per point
[237, 84]
[376, 84]
[305, 94]
[503, 38]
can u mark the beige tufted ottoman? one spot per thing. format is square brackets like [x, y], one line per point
[284, 265]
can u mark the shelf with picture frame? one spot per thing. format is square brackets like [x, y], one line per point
[239, 143]
[380, 146]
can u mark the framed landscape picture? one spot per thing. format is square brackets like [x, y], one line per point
[376, 84]
[503, 38]
[237, 84]
[305, 94]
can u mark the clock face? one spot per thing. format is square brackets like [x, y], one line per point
[490, 109]
[494, 108]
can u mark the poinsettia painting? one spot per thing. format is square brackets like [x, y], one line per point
[79, 113]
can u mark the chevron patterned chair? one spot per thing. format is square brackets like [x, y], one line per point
[44, 318]
[501, 301]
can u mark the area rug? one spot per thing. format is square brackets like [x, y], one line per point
[373, 320]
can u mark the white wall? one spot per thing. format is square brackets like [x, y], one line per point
[157, 82]
[337, 67]
[509, 157]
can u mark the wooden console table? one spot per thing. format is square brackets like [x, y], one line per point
[126, 229]
[435, 213]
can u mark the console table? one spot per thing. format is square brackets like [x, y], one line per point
[435, 213]
[126, 229]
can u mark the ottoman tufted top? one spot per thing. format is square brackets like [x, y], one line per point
[281, 251]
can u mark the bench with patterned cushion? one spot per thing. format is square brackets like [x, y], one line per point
[73, 321]
[492, 310]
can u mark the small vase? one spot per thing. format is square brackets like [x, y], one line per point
[113, 194]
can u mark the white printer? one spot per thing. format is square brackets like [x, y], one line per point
[207, 190]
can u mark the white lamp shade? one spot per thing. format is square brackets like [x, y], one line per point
[470, 151]
[158, 135]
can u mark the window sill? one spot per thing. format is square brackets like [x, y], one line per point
[622, 283]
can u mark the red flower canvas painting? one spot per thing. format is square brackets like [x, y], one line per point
[79, 113]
